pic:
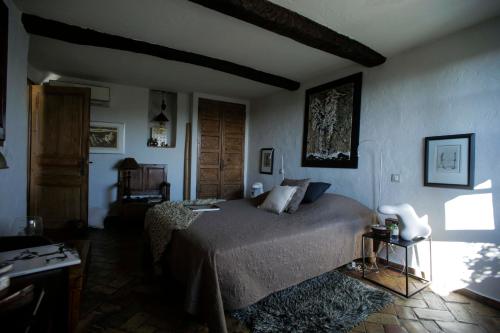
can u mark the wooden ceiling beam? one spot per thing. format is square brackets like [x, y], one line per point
[285, 22]
[73, 34]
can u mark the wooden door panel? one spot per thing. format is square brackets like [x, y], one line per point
[58, 178]
[209, 113]
[57, 204]
[232, 192]
[233, 176]
[209, 175]
[206, 191]
[210, 126]
[210, 143]
[233, 144]
[232, 160]
[210, 159]
[233, 151]
[236, 129]
[221, 136]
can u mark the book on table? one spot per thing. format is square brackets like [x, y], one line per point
[203, 208]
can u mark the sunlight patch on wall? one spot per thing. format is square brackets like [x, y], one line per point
[486, 185]
[470, 212]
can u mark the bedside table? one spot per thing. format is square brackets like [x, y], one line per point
[418, 283]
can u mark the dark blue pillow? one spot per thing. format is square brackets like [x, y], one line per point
[314, 191]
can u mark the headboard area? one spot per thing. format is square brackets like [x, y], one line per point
[149, 179]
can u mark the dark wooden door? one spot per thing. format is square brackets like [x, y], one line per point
[221, 144]
[58, 177]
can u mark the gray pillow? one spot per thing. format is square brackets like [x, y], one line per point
[278, 199]
[301, 185]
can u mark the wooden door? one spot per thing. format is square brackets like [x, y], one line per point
[58, 178]
[221, 139]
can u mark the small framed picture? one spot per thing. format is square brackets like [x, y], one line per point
[449, 161]
[266, 160]
[106, 138]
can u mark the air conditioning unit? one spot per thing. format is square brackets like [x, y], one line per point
[100, 96]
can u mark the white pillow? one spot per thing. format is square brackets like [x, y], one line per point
[278, 199]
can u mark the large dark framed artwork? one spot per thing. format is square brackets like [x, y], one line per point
[4, 42]
[449, 161]
[331, 124]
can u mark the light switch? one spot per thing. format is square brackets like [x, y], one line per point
[395, 178]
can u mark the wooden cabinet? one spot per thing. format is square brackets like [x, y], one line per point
[149, 180]
[221, 143]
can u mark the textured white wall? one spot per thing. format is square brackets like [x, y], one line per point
[13, 180]
[130, 105]
[450, 86]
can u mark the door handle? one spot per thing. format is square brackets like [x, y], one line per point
[222, 164]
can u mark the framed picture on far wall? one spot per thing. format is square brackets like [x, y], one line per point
[106, 138]
[449, 161]
[266, 161]
[331, 124]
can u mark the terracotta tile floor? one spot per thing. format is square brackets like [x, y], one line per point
[121, 297]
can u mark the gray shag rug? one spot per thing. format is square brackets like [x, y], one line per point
[331, 302]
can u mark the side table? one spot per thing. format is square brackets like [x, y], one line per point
[406, 245]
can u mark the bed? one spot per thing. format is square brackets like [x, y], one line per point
[234, 257]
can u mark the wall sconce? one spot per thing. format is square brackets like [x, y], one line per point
[3, 162]
[159, 134]
[161, 118]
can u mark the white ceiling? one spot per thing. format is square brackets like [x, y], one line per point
[388, 26]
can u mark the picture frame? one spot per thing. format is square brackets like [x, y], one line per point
[331, 124]
[4, 44]
[266, 161]
[449, 161]
[106, 138]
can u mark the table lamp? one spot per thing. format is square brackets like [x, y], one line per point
[127, 165]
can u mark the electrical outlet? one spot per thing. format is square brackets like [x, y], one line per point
[395, 178]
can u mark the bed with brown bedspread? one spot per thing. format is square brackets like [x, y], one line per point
[234, 257]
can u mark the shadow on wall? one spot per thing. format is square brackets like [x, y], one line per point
[485, 266]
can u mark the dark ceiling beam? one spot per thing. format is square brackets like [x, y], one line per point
[285, 22]
[76, 35]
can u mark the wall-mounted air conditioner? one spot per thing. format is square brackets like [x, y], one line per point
[100, 96]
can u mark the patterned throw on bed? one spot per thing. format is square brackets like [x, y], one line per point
[162, 219]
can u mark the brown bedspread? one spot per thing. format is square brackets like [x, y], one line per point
[234, 257]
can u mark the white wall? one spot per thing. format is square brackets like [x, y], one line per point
[13, 180]
[450, 86]
[130, 105]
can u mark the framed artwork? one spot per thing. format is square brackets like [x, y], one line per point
[449, 161]
[4, 42]
[106, 138]
[331, 124]
[266, 161]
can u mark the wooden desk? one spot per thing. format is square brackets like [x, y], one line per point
[63, 304]
[77, 276]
